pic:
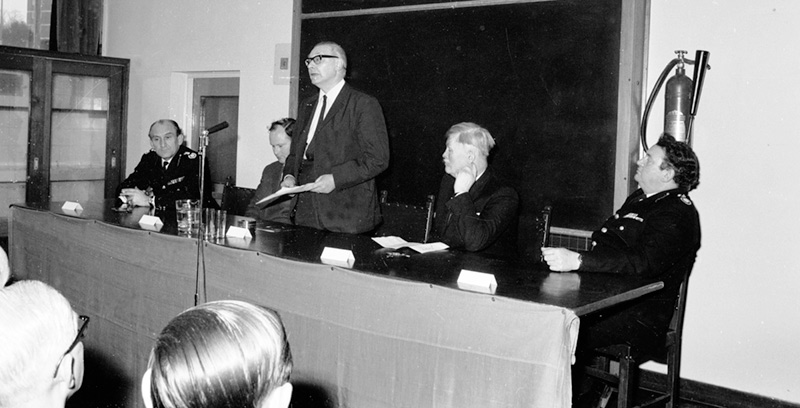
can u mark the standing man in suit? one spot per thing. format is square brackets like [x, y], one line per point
[342, 146]
[168, 172]
[475, 210]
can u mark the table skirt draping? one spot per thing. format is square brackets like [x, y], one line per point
[358, 339]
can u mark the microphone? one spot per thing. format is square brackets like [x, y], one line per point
[217, 127]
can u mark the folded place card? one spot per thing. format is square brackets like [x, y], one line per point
[238, 232]
[338, 257]
[72, 208]
[150, 222]
[477, 281]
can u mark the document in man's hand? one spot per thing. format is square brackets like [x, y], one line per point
[284, 191]
[397, 242]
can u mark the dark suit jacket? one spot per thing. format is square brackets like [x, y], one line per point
[277, 210]
[353, 145]
[180, 181]
[484, 219]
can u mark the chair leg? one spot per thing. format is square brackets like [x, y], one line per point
[626, 382]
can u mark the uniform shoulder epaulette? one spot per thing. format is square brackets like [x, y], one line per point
[191, 155]
[685, 199]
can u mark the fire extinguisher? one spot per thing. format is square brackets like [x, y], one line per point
[681, 99]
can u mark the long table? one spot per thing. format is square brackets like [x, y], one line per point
[388, 332]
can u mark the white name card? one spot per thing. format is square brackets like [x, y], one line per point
[477, 281]
[72, 208]
[151, 222]
[238, 232]
[338, 257]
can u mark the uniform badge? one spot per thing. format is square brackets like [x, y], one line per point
[686, 200]
[192, 156]
[633, 216]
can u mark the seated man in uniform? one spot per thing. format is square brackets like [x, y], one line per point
[280, 137]
[656, 233]
[169, 172]
[475, 209]
[41, 364]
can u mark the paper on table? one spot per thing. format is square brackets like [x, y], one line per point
[286, 190]
[397, 242]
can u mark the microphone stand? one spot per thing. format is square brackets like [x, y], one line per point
[201, 265]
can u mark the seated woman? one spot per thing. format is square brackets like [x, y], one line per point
[220, 354]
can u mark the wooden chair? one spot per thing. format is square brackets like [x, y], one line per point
[625, 380]
[236, 199]
[410, 222]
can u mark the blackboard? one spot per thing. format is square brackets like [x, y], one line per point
[542, 77]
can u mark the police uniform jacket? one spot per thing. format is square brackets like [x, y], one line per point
[656, 236]
[179, 181]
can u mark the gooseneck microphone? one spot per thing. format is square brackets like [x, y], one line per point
[217, 127]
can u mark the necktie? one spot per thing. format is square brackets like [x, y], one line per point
[164, 165]
[321, 113]
[309, 151]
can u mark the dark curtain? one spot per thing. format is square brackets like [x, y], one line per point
[76, 26]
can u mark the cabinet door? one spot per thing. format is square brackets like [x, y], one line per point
[15, 112]
[63, 116]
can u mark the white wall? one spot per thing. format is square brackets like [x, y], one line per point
[742, 324]
[743, 317]
[165, 39]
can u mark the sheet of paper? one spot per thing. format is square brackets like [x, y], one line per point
[284, 191]
[397, 242]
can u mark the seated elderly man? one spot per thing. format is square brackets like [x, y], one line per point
[41, 364]
[655, 233]
[475, 210]
[220, 354]
[168, 172]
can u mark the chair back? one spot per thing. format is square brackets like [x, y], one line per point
[410, 222]
[236, 199]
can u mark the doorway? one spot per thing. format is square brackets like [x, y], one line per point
[216, 100]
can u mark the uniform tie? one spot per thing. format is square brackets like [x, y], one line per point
[164, 165]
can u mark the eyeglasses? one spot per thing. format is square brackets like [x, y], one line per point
[318, 58]
[78, 337]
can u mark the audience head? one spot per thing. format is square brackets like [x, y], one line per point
[280, 138]
[467, 143]
[165, 138]
[41, 364]
[5, 270]
[667, 165]
[327, 65]
[220, 354]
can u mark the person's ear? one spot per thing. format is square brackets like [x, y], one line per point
[148, 399]
[280, 397]
[668, 175]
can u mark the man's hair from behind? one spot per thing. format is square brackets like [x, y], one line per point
[471, 134]
[37, 325]
[681, 158]
[286, 123]
[219, 354]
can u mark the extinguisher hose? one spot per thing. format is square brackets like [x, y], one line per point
[652, 98]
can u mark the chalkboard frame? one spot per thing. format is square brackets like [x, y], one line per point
[629, 61]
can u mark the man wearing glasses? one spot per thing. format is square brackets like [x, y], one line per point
[342, 146]
[41, 364]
